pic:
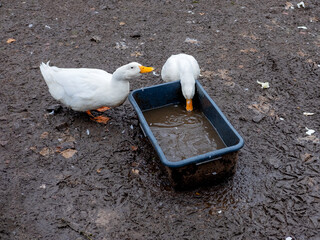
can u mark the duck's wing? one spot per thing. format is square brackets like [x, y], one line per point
[177, 64]
[73, 82]
[195, 67]
[170, 70]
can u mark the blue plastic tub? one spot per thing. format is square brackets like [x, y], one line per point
[205, 168]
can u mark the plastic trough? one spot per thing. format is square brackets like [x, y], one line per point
[208, 168]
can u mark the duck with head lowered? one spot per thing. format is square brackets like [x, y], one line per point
[85, 89]
[185, 68]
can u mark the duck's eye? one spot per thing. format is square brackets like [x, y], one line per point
[131, 67]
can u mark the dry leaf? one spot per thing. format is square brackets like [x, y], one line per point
[66, 138]
[207, 74]
[134, 164]
[33, 148]
[44, 135]
[135, 171]
[68, 153]
[230, 84]
[122, 23]
[58, 149]
[289, 5]
[45, 152]
[262, 107]
[305, 157]
[10, 40]
[136, 54]
[223, 73]
[314, 19]
[134, 148]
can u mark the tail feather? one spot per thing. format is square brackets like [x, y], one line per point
[45, 71]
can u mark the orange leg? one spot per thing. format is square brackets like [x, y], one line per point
[99, 119]
[103, 109]
[89, 113]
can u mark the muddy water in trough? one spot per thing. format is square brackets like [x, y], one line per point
[182, 134]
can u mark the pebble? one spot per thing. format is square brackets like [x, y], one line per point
[96, 38]
[55, 107]
[257, 118]
[135, 35]
[3, 143]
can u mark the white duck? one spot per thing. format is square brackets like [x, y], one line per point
[185, 68]
[85, 89]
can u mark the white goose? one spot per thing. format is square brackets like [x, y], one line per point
[85, 89]
[185, 68]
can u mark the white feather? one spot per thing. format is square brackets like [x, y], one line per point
[85, 89]
[182, 67]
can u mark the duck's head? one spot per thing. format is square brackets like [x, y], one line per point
[188, 90]
[131, 71]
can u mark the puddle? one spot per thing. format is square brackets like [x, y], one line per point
[182, 134]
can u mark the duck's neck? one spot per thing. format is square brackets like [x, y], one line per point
[187, 77]
[119, 76]
[187, 82]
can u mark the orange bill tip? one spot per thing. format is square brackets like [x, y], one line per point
[189, 106]
[144, 69]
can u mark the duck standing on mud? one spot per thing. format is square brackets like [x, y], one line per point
[85, 89]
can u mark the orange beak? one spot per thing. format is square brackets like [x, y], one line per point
[144, 69]
[189, 106]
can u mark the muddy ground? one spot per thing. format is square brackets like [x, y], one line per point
[66, 177]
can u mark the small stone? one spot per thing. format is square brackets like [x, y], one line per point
[55, 107]
[242, 118]
[95, 38]
[135, 35]
[275, 162]
[62, 126]
[257, 118]
[3, 143]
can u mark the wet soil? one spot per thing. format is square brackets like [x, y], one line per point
[66, 177]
